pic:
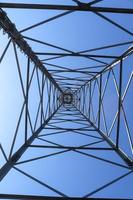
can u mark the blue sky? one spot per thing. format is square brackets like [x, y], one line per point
[71, 173]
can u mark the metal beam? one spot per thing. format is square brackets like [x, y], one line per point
[14, 34]
[128, 52]
[83, 7]
[119, 103]
[76, 55]
[124, 157]
[16, 156]
[31, 197]
[70, 147]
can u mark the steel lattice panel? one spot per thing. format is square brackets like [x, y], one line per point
[66, 100]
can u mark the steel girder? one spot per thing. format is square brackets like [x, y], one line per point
[55, 84]
[83, 7]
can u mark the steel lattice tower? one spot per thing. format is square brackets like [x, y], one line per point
[77, 114]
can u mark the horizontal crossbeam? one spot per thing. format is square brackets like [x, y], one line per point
[76, 55]
[70, 147]
[83, 7]
[20, 197]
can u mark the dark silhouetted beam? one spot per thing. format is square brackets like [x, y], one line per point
[13, 33]
[70, 147]
[22, 197]
[17, 155]
[75, 54]
[84, 7]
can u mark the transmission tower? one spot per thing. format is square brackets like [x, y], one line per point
[66, 114]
